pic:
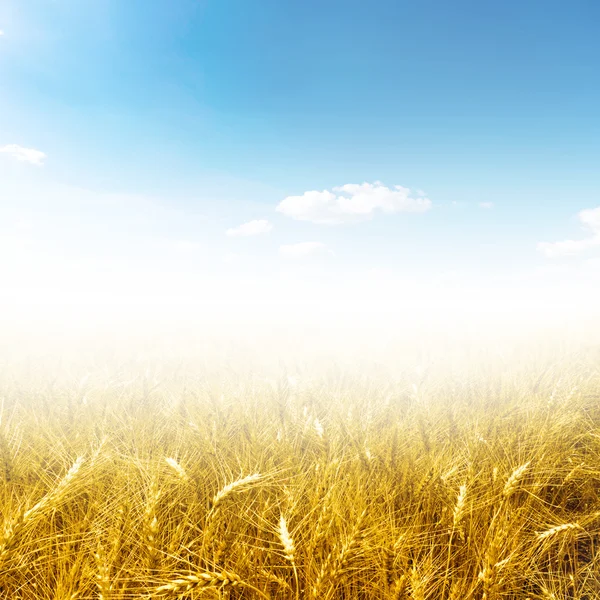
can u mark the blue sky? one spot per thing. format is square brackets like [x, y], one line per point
[164, 125]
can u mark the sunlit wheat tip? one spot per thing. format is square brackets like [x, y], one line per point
[56, 494]
[513, 482]
[554, 531]
[234, 486]
[459, 511]
[286, 539]
[179, 470]
[319, 428]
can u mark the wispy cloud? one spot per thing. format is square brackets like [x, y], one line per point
[486, 205]
[30, 155]
[352, 202]
[256, 227]
[302, 249]
[1, 33]
[568, 247]
[590, 220]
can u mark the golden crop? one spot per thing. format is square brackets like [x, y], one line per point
[195, 484]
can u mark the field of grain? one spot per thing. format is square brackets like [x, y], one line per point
[213, 483]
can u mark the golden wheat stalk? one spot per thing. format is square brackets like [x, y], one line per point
[231, 488]
[459, 511]
[286, 539]
[555, 531]
[335, 567]
[219, 500]
[13, 527]
[492, 565]
[417, 585]
[514, 481]
[103, 583]
[289, 548]
[185, 584]
[53, 496]
[151, 527]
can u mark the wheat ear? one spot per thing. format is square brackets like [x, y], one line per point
[289, 548]
[185, 584]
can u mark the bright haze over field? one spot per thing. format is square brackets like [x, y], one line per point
[283, 163]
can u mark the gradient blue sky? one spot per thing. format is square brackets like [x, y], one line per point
[164, 124]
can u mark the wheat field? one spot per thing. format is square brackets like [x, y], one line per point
[204, 483]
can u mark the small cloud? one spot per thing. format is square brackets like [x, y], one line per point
[302, 249]
[256, 227]
[567, 247]
[590, 220]
[351, 202]
[486, 205]
[1, 33]
[30, 155]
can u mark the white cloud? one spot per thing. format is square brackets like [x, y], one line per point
[30, 155]
[351, 202]
[567, 247]
[1, 33]
[590, 219]
[486, 205]
[256, 227]
[301, 249]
